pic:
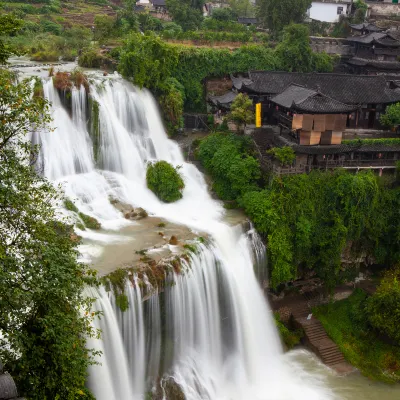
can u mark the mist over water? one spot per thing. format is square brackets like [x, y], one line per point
[214, 332]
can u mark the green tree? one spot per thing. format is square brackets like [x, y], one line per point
[383, 307]
[223, 14]
[9, 25]
[242, 8]
[186, 13]
[127, 19]
[44, 317]
[104, 27]
[275, 15]
[391, 117]
[241, 111]
[295, 53]
[165, 181]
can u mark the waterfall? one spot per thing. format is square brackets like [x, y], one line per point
[213, 334]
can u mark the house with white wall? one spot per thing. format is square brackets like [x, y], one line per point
[329, 10]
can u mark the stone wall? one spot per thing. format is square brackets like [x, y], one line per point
[383, 9]
[331, 46]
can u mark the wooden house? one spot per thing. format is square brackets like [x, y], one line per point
[374, 51]
[315, 117]
[367, 95]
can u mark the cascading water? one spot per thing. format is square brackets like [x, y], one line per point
[219, 341]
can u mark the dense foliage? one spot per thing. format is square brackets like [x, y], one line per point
[285, 155]
[391, 117]
[296, 55]
[9, 25]
[275, 15]
[308, 219]
[228, 159]
[346, 322]
[165, 181]
[148, 61]
[384, 306]
[186, 13]
[44, 317]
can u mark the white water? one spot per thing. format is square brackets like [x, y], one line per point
[221, 343]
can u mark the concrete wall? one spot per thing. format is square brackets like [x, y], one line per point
[383, 9]
[326, 11]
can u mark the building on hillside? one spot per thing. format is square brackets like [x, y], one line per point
[353, 155]
[313, 117]
[369, 95]
[248, 21]
[364, 28]
[159, 6]
[329, 10]
[374, 51]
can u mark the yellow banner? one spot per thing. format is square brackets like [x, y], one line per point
[258, 115]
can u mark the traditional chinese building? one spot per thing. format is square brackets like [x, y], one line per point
[366, 96]
[374, 51]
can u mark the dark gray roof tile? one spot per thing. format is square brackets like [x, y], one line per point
[306, 100]
[348, 89]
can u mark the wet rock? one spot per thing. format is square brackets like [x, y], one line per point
[173, 241]
[142, 213]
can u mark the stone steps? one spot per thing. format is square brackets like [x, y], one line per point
[318, 340]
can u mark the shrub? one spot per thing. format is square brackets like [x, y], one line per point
[91, 58]
[289, 337]
[89, 221]
[383, 306]
[165, 181]
[285, 155]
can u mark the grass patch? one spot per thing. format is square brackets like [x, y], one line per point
[346, 323]
[89, 221]
[161, 225]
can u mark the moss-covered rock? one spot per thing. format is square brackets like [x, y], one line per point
[165, 181]
[90, 222]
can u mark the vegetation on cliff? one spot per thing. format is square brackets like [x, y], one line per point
[307, 220]
[165, 181]
[230, 161]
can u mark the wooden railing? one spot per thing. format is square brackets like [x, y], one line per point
[356, 163]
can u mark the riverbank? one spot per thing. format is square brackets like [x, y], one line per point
[346, 324]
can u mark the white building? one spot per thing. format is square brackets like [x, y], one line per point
[329, 10]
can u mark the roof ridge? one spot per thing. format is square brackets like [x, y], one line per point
[315, 73]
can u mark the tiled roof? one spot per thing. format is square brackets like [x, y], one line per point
[307, 100]
[348, 89]
[239, 81]
[388, 65]
[367, 39]
[225, 99]
[387, 42]
[365, 26]
[158, 3]
[247, 20]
